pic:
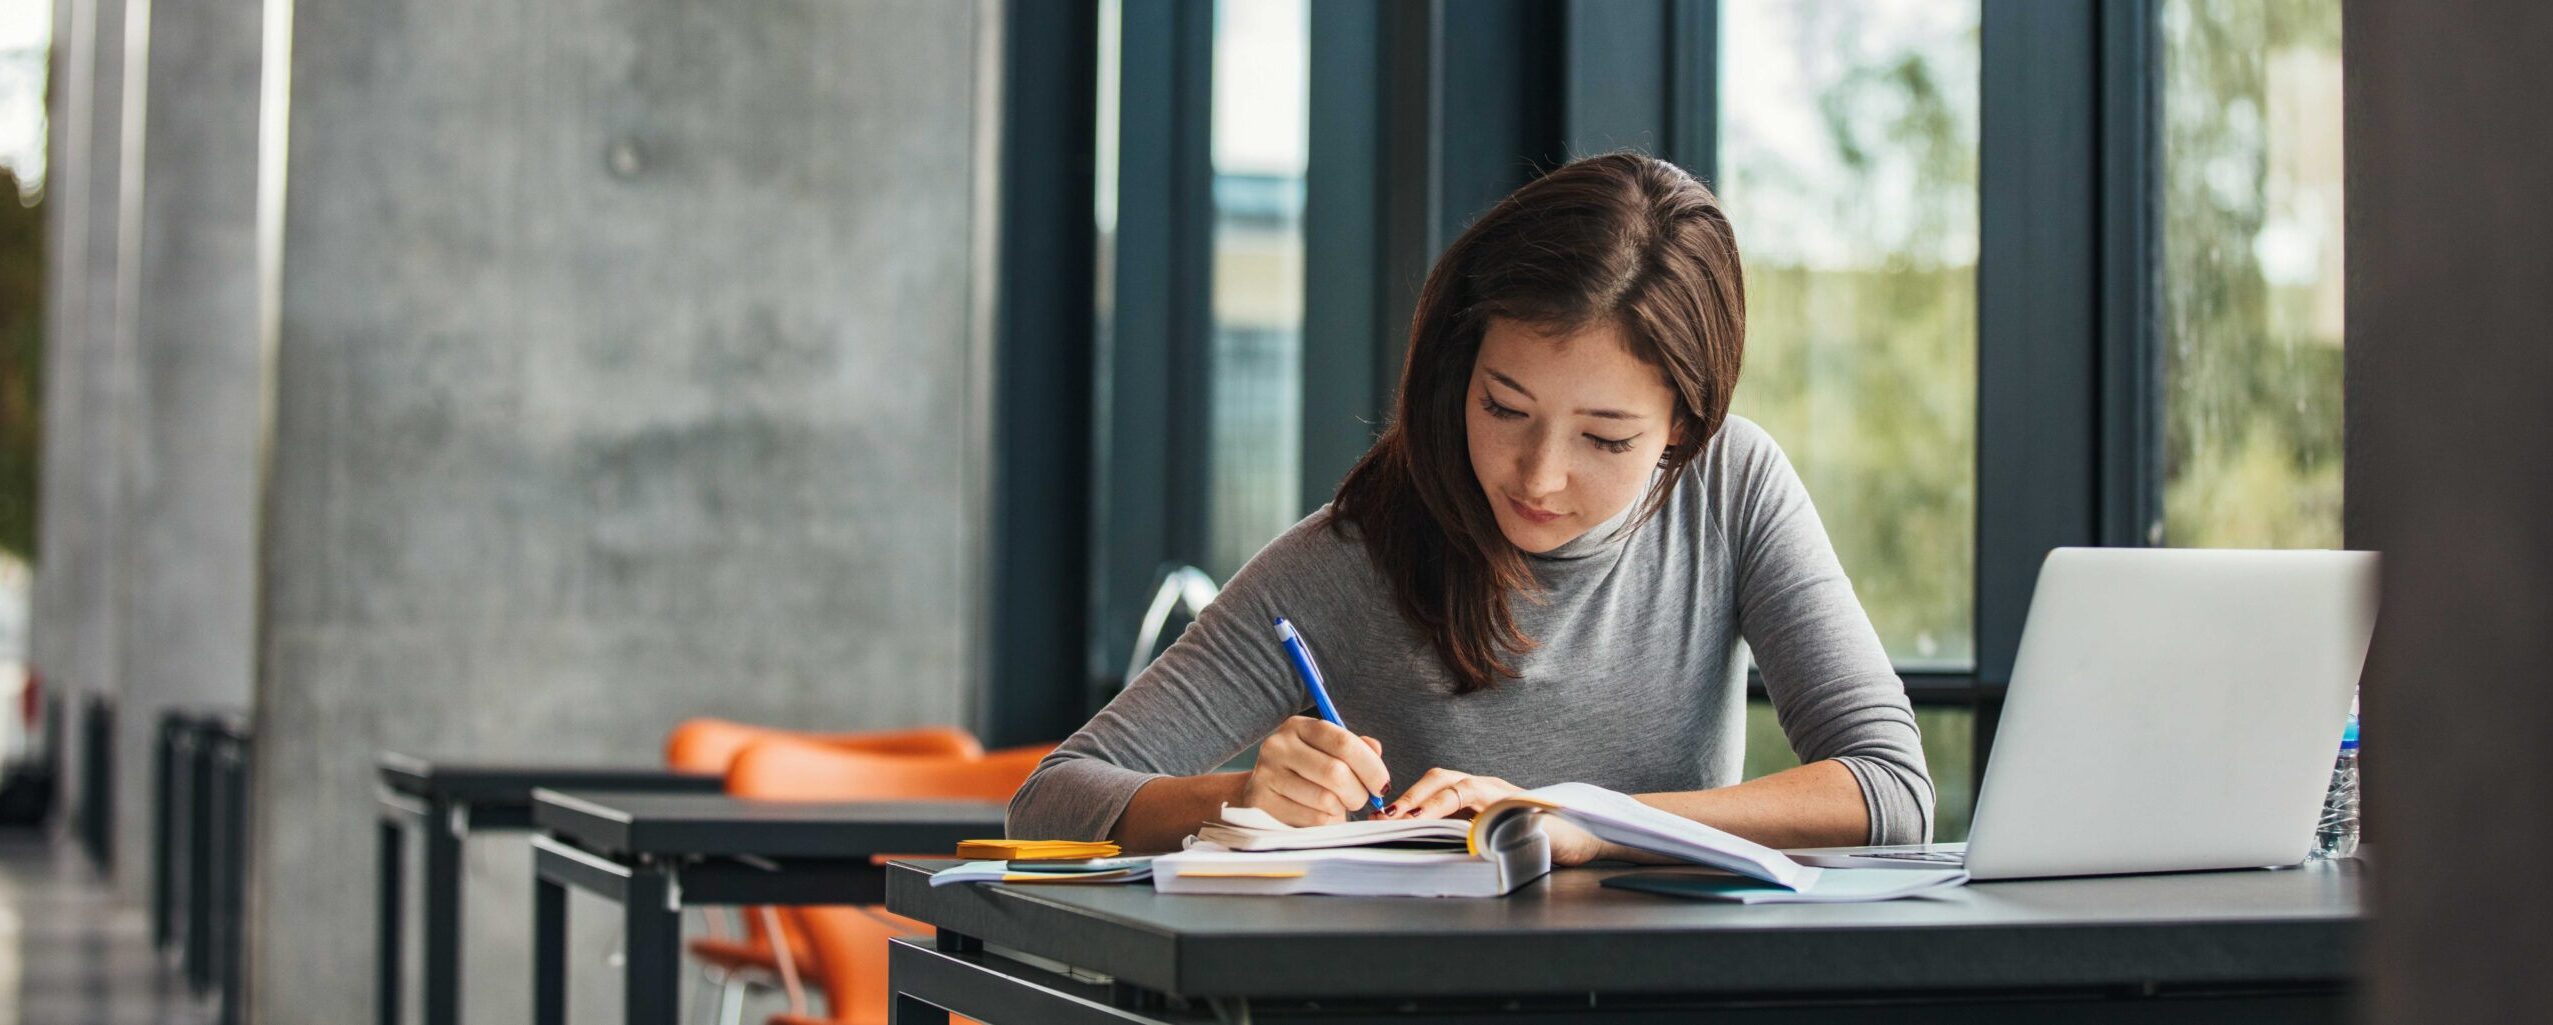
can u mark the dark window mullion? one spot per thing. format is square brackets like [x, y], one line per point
[2038, 324]
[1041, 477]
[1344, 391]
[2067, 395]
[1191, 272]
[1499, 104]
[1618, 80]
[1422, 116]
[1693, 104]
[1154, 375]
[2131, 348]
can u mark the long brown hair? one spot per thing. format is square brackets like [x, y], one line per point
[1623, 239]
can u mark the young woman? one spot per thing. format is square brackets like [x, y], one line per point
[1541, 572]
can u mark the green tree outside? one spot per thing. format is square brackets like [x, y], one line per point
[21, 365]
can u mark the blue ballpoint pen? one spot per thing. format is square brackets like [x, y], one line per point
[1311, 674]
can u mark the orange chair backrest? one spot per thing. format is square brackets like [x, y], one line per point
[707, 745]
[795, 769]
[848, 944]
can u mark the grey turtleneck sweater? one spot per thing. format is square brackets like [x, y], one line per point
[1638, 684]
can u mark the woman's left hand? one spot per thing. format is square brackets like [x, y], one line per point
[1445, 793]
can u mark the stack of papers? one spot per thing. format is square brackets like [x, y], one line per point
[1250, 852]
[1348, 871]
[1249, 829]
[1035, 850]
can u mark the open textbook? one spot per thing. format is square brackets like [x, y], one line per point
[1495, 852]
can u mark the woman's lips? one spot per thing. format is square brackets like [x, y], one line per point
[1531, 514]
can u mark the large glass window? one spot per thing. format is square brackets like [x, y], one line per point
[1848, 148]
[1260, 136]
[2251, 272]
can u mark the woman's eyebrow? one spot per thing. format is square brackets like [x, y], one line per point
[1508, 381]
[1609, 414]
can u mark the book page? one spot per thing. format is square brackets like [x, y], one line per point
[1620, 818]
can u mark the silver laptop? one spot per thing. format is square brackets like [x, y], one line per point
[2170, 710]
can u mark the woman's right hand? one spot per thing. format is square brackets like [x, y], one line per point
[1312, 773]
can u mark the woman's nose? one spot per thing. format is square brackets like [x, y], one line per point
[1544, 469]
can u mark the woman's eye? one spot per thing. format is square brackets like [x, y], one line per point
[1490, 406]
[1616, 446]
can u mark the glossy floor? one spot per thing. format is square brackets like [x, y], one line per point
[70, 952]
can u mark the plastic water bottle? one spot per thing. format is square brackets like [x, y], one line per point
[2337, 835]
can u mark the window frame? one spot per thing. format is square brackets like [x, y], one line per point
[1039, 488]
[1152, 349]
[2068, 440]
[1419, 119]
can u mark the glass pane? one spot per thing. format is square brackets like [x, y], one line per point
[1261, 130]
[2251, 273]
[1106, 135]
[1849, 168]
[1950, 751]
[26, 37]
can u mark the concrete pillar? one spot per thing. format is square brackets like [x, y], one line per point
[75, 602]
[625, 368]
[2449, 232]
[48, 636]
[188, 449]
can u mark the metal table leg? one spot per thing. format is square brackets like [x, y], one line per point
[650, 979]
[445, 824]
[163, 831]
[233, 933]
[549, 951]
[185, 822]
[198, 959]
[394, 852]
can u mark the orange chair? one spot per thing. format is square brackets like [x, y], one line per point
[708, 745]
[848, 944]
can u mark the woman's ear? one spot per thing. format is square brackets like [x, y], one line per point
[1675, 442]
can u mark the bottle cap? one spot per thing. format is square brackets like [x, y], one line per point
[2349, 735]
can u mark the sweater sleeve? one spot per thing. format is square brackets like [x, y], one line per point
[1219, 689]
[1833, 688]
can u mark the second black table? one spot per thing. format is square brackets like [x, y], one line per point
[444, 801]
[656, 854]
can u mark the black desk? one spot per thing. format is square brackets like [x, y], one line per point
[229, 744]
[445, 801]
[2224, 946]
[172, 758]
[181, 826]
[656, 854]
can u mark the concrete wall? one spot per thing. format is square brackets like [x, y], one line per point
[624, 370]
[2450, 464]
[187, 445]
